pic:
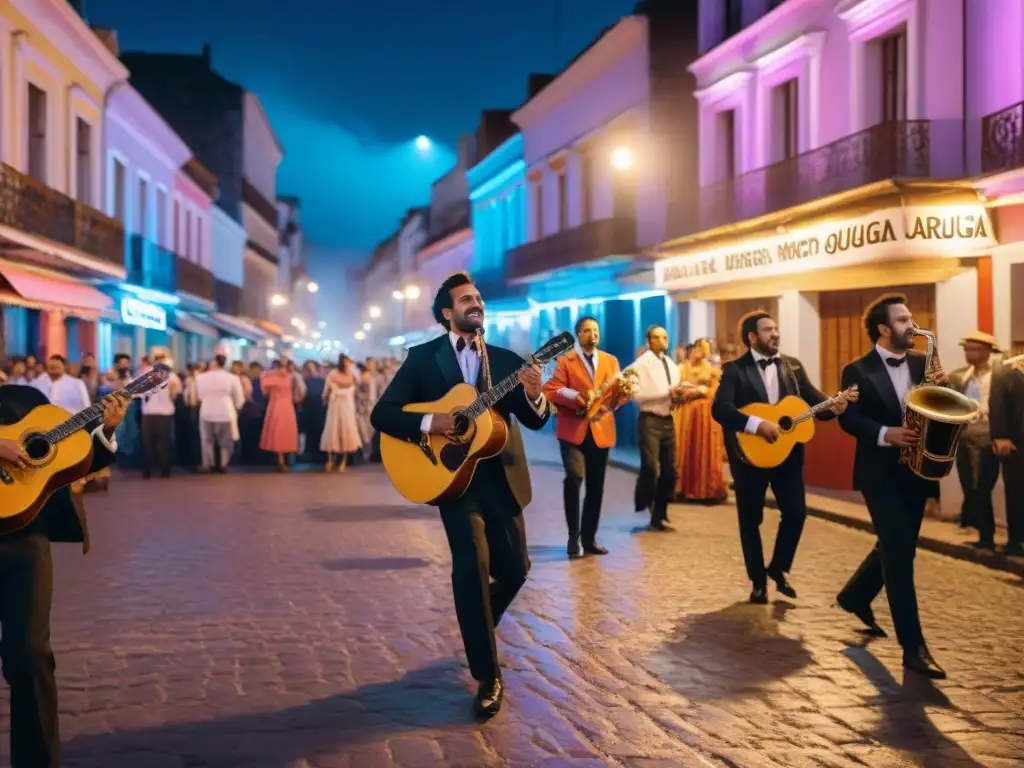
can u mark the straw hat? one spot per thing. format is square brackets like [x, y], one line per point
[980, 337]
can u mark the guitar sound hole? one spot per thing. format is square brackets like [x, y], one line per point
[786, 424]
[37, 447]
[461, 424]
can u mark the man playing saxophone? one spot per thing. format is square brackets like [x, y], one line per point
[895, 496]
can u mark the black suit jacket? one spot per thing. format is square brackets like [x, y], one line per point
[742, 385]
[1006, 405]
[878, 406]
[63, 517]
[428, 373]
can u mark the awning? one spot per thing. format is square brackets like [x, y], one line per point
[51, 291]
[183, 321]
[272, 328]
[237, 327]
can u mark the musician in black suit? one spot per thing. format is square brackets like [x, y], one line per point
[26, 586]
[762, 375]
[895, 496]
[485, 527]
[1006, 422]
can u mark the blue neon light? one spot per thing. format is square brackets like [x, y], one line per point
[496, 183]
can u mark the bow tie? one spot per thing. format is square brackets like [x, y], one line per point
[895, 362]
[764, 363]
[461, 344]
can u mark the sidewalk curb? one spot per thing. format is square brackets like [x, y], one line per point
[994, 560]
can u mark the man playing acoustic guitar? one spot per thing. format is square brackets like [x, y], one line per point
[26, 586]
[485, 527]
[762, 375]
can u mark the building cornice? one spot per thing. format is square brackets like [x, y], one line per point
[630, 32]
[58, 22]
[504, 155]
[136, 117]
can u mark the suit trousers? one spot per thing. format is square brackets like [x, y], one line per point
[156, 443]
[585, 466]
[26, 593]
[656, 482]
[751, 485]
[896, 507]
[978, 469]
[487, 537]
[1013, 486]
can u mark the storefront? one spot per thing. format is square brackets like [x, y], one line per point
[139, 321]
[817, 273]
[242, 340]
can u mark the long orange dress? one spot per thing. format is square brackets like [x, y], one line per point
[701, 446]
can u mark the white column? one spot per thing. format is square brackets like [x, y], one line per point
[857, 86]
[701, 320]
[800, 328]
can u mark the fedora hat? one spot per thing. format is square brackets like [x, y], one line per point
[980, 337]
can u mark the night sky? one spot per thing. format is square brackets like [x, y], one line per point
[348, 85]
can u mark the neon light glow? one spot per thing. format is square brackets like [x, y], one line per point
[149, 294]
[498, 182]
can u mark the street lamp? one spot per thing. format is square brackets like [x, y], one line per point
[315, 334]
[622, 158]
[423, 144]
[312, 287]
[296, 322]
[398, 295]
[374, 311]
[360, 335]
[278, 300]
[412, 292]
[367, 326]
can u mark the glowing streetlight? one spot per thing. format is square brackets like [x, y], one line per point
[622, 158]
[312, 287]
[374, 311]
[278, 300]
[367, 326]
[296, 322]
[360, 335]
[412, 292]
[398, 295]
[316, 334]
[423, 144]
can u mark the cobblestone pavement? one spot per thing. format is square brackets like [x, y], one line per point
[306, 620]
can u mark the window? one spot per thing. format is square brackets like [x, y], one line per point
[199, 240]
[120, 190]
[894, 76]
[733, 17]
[563, 203]
[83, 161]
[725, 147]
[176, 228]
[37, 133]
[538, 209]
[188, 236]
[142, 225]
[161, 217]
[586, 186]
[785, 121]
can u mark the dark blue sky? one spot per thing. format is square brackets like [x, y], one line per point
[348, 85]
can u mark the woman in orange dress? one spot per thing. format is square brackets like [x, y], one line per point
[699, 437]
[280, 426]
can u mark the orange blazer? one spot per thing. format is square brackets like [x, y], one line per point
[571, 373]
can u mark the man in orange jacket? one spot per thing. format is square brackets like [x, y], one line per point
[584, 440]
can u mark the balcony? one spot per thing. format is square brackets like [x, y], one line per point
[151, 265]
[195, 279]
[228, 297]
[587, 243]
[1002, 139]
[896, 149]
[34, 208]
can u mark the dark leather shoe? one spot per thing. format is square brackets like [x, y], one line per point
[573, 548]
[782, 583]
[759, 596]
[1013, 550]
[594, 549]
[657, 525]
[988, 546]
[867, 618]
[488, 698]
[920, 660]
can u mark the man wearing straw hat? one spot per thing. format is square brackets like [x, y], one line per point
[976, 463]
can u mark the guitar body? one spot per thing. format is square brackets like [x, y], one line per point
[24, 492]
[757, 451]
[423, 481]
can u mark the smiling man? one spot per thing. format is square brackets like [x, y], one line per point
[485, 527]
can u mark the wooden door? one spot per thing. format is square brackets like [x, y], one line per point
[843, 336]
[727, 319]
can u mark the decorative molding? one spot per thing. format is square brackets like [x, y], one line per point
[497, 162]
[806, 46]
[734, 83]
[866, 19]
[535, 175]
[146, 126]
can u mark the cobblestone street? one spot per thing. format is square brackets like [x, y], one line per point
[306, 620]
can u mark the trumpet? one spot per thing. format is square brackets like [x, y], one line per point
[938, 415]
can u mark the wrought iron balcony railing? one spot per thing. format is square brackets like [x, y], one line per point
[895, 149]
[586, 243]
[30, 206]
[1002, 139]
[151, 265]
[195, 279]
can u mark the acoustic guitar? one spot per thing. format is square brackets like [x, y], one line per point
[796, 425]
[440, 467]
[59, 452]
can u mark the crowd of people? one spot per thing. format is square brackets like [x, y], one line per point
[214, 414]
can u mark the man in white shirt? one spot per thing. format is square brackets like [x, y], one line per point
[158, 419]
[219, 395]
[659, 391]
[60, 389]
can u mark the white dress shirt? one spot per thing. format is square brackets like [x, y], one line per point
[654, 395]
[469, 363]
[589, 367]
[220, 395]
[71, 395]
[160, 402]
[770, 377]
[899, 375]
[978, 387]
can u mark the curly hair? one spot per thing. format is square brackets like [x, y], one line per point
[877, 313]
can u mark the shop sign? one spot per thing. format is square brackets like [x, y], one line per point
[893, 233]
[143, 314]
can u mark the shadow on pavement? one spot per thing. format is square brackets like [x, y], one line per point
[729, 653]
[432, 697]
[375, 563]
[339, 513]
[903, 722]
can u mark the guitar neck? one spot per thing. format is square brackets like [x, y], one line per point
[810, 413]
[80, 420]
[491, 397]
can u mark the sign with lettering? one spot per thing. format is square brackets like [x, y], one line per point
[891, 234]
[143, 314]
